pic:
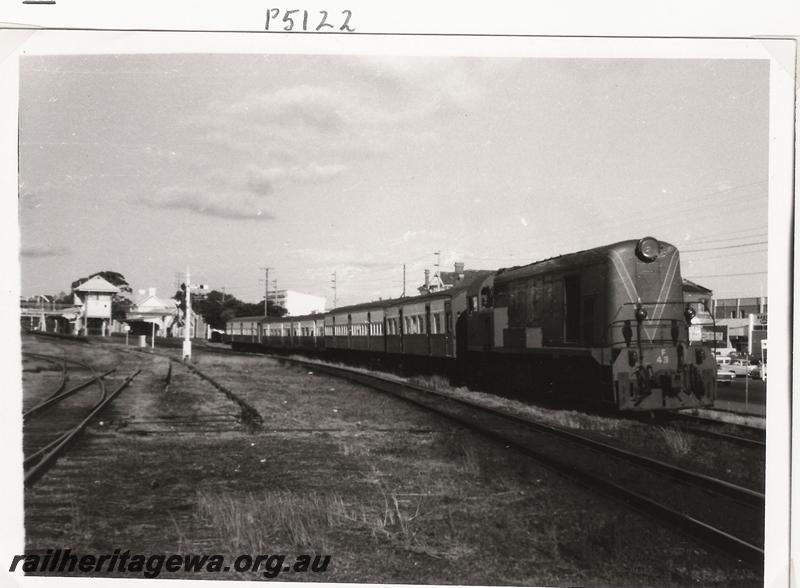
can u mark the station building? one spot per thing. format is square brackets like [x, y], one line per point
[149, 313]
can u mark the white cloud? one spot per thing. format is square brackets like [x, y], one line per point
[34, 251]
[233, 205]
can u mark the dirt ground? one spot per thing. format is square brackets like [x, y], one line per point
[391, 493]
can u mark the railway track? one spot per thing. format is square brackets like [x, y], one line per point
[699, 505]
[53, 424]
[739, 435]
[59, 363]
[249, 416]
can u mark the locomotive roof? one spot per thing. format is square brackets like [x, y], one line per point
[568, 260]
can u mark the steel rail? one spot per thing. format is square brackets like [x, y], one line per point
[35, 472]
[709, 534]
[62, 362]
[66, 394]
[744, 441]
[729, 489]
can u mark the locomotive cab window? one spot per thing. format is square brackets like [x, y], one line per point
[486, 297]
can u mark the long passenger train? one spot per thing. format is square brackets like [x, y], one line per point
[605, 326]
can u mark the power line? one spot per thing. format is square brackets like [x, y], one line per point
[722, 240]
[725, 247]
[727, 275]
[737, 254]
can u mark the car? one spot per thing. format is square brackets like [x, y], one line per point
[725, 377]
[741, 367]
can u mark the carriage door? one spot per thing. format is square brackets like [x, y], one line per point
[572, 309]
[349, 330]
[402, 330]
[448, 328]
[260, 332]
[428, 325]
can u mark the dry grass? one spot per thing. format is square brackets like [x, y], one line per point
[470, 463]
[677, 442]
[252, 522]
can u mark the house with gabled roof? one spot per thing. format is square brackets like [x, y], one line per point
[94, 297]
[148, 312]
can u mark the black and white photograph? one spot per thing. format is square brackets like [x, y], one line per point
[441, 310]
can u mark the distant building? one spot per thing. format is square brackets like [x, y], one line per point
[444, 280]
[39, 313]
[739, 308]
[94, 297]
[702, 327]
[148, 311]
[298, 303]
[734, 313]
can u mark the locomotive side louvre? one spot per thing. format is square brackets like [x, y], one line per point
[558, 306]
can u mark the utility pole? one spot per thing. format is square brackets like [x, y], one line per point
[188, 319]
[404, 280]
[333, 281]
[187, 327]
[223, 294]
[266, 288]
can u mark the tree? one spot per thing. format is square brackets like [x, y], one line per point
[217, 307]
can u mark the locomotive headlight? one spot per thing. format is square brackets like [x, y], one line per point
[689, 314]
[647, 249]
[640, 314]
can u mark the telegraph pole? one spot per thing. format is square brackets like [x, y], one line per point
[187, 320]
[266, 288]
[404, 280]
[333, 281]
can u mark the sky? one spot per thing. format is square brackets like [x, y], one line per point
[314, 164]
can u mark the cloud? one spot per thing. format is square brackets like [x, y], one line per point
[314, 107]
[261, 182]
[231, 205]
[353, 117]
[264, 181]
[37, 251]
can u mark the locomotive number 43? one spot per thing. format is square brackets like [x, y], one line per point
[303, 20]
[662, 357]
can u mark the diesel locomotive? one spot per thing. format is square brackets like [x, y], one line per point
[606, 326]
